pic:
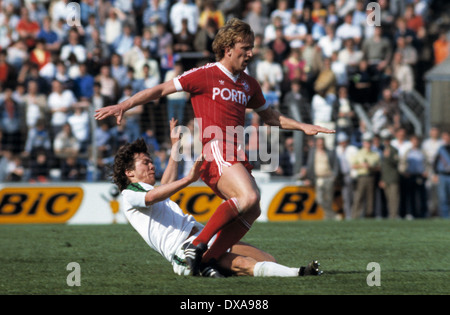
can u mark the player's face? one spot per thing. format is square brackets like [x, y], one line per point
[241, 54]
[144, 170]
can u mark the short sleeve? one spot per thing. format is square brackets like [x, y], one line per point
[135, 199]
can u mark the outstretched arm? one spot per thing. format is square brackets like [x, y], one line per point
[141, 98]
[274, 118]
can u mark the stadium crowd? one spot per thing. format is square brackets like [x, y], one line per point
[57, 65]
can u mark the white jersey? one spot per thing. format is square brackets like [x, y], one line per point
[162, 225]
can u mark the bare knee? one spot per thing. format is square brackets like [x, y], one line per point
[243, 266]
[249, 201]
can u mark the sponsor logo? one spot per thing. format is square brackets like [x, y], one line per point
[39, 205]
[230, 95]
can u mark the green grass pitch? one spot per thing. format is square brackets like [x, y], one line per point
[413, 257]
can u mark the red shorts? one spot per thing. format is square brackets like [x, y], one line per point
[218, 155]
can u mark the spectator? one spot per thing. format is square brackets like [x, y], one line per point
[287, 159]
[17, 54]
[317, 11]
[280, 46]
[73, 47]
[156, 11]
[329, 43]
[72, 169]
[104, 140]
[415, 171]
[133, 116]
[389, 180]
[80, 125]
[441, 47]
[256, 18]
[403, 73]
[65, 143]
[323, 113]
[295, 32]
[318, 29]
[118, 69]
[84, 83]
[347, 30]
[295, 100]
[35, 104]
[345, 152]
[345, 113]
[204, 38]
[97, 50]
[40, 166]
[15, 170]
[377, 50]
[163, 38]
[325, 83]
[183, 9]
[113, 27]
[176, 102]
[150, 139]
[124, 42]
[408, 51]
[294, 66]
[183, 41]
[11, 122]
[109, 88]
[386, 113]
[282, 11]
[350, 56]
[210, 11]
[51, 39]
[430, 146]
[269, 70]
[40, 55]
[365, 162]
[7, 71]
[321, 171]
[361, 85]
[270, 29]
[38, 138]
[26, 28]
[60, 101]
[442, 170]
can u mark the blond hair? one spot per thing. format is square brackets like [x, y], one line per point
[234, 31]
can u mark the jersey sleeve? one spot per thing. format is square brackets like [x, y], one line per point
[190, 81]
[135, 199]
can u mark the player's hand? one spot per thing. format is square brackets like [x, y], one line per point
[312, 130]
[195, 172]
[113, 110]
[174, 131]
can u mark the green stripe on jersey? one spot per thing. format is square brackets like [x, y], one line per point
[136, 187]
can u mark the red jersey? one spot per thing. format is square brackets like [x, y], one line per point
[220, 99]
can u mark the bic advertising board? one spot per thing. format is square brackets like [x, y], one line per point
[100, 203]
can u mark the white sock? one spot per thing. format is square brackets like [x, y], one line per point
[271, 269]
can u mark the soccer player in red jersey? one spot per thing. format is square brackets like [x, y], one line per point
[220, 93]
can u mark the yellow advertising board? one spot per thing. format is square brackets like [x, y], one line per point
[39, 204]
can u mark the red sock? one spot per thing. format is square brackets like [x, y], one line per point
[223, 215]
[227, 237]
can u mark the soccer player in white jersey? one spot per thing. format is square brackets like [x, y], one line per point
[167, 230]
[220, 94]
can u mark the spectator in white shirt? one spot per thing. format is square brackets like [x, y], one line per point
[183, 9]
[73, 47]
[348, 30]
[60, 101]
